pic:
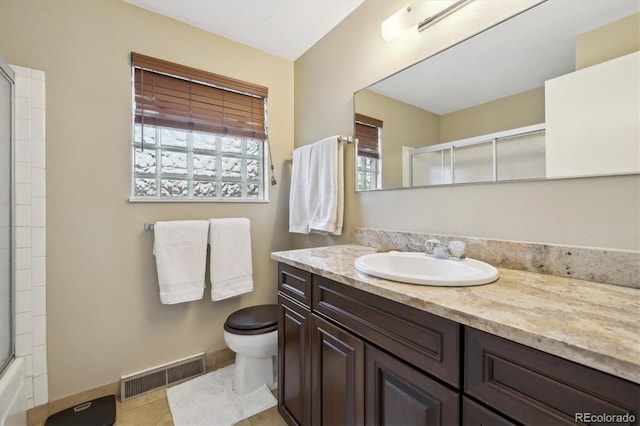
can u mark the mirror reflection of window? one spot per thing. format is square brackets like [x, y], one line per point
[368, 132]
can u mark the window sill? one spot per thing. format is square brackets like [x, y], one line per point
[189, 200]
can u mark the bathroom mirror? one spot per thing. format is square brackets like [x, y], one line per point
[549, 93]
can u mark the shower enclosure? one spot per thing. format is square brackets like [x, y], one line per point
[6, 216]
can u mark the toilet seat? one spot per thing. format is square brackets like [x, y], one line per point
[259, 319]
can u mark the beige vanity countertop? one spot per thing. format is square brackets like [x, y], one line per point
[597, 325]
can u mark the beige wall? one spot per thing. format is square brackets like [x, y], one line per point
[403, 125]
[105, 318]
[600, 212]
[610, 41]
[510, 112]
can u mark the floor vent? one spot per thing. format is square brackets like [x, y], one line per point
[143, 382]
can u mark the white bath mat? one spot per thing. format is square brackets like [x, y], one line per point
[210, 400]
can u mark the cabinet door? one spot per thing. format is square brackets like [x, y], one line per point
[337, 359]
[293, 362]
[398, 394]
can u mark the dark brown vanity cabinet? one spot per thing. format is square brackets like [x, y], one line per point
[352, 358]
[533, 387]
[348, 357]
[320, 366]
[294, 352]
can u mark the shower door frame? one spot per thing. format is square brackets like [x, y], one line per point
[7, 73]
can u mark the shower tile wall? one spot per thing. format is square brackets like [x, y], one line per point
[30, 222]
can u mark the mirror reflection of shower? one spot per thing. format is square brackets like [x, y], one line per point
[6, 215]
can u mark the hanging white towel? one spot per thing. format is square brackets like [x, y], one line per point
[180, 248]
[231, 268]
[317, 188]
[300, 190]
[340, 192]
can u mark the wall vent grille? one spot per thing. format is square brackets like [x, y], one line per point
[143, 382]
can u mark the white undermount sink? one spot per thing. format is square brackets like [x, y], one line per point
[418, 268]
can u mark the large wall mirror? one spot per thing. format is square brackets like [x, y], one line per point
[552, 92]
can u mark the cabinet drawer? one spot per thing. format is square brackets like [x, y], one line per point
[429, 342]
[534, 387]
[295, 283]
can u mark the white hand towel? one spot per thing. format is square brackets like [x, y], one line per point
[340, 192]
[326, 176]
[299, 191]
[231, 268]
[180, 248]
[316, 198]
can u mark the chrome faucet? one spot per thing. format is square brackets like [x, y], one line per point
[454, 250]
[430, 245]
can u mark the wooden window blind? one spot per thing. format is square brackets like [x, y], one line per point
[367, 130]
[176, 96]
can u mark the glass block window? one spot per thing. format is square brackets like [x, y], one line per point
[367, 173]
[196, 135]
[180, 164]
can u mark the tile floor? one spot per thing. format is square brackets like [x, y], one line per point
[153, 410]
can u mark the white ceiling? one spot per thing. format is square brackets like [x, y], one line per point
[285, 28]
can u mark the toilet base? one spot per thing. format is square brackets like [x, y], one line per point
[250, 373]
[256, 355]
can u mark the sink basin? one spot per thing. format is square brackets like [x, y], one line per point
[418, 268]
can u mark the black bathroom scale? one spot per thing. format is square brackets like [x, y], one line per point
[98, 412]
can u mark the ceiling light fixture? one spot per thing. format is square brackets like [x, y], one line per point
[418, 13]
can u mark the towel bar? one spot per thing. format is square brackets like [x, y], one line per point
[347, 139]
[148, 226]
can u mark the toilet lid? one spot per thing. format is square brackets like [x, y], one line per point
[253, 320]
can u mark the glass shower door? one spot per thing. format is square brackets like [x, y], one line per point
[6, 213]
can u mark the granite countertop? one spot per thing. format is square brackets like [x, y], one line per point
[593, 324]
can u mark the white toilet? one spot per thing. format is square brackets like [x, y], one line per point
[252, 333]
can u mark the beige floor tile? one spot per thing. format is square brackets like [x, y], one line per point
[143, 400]
[153, 410]
[269, 417]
